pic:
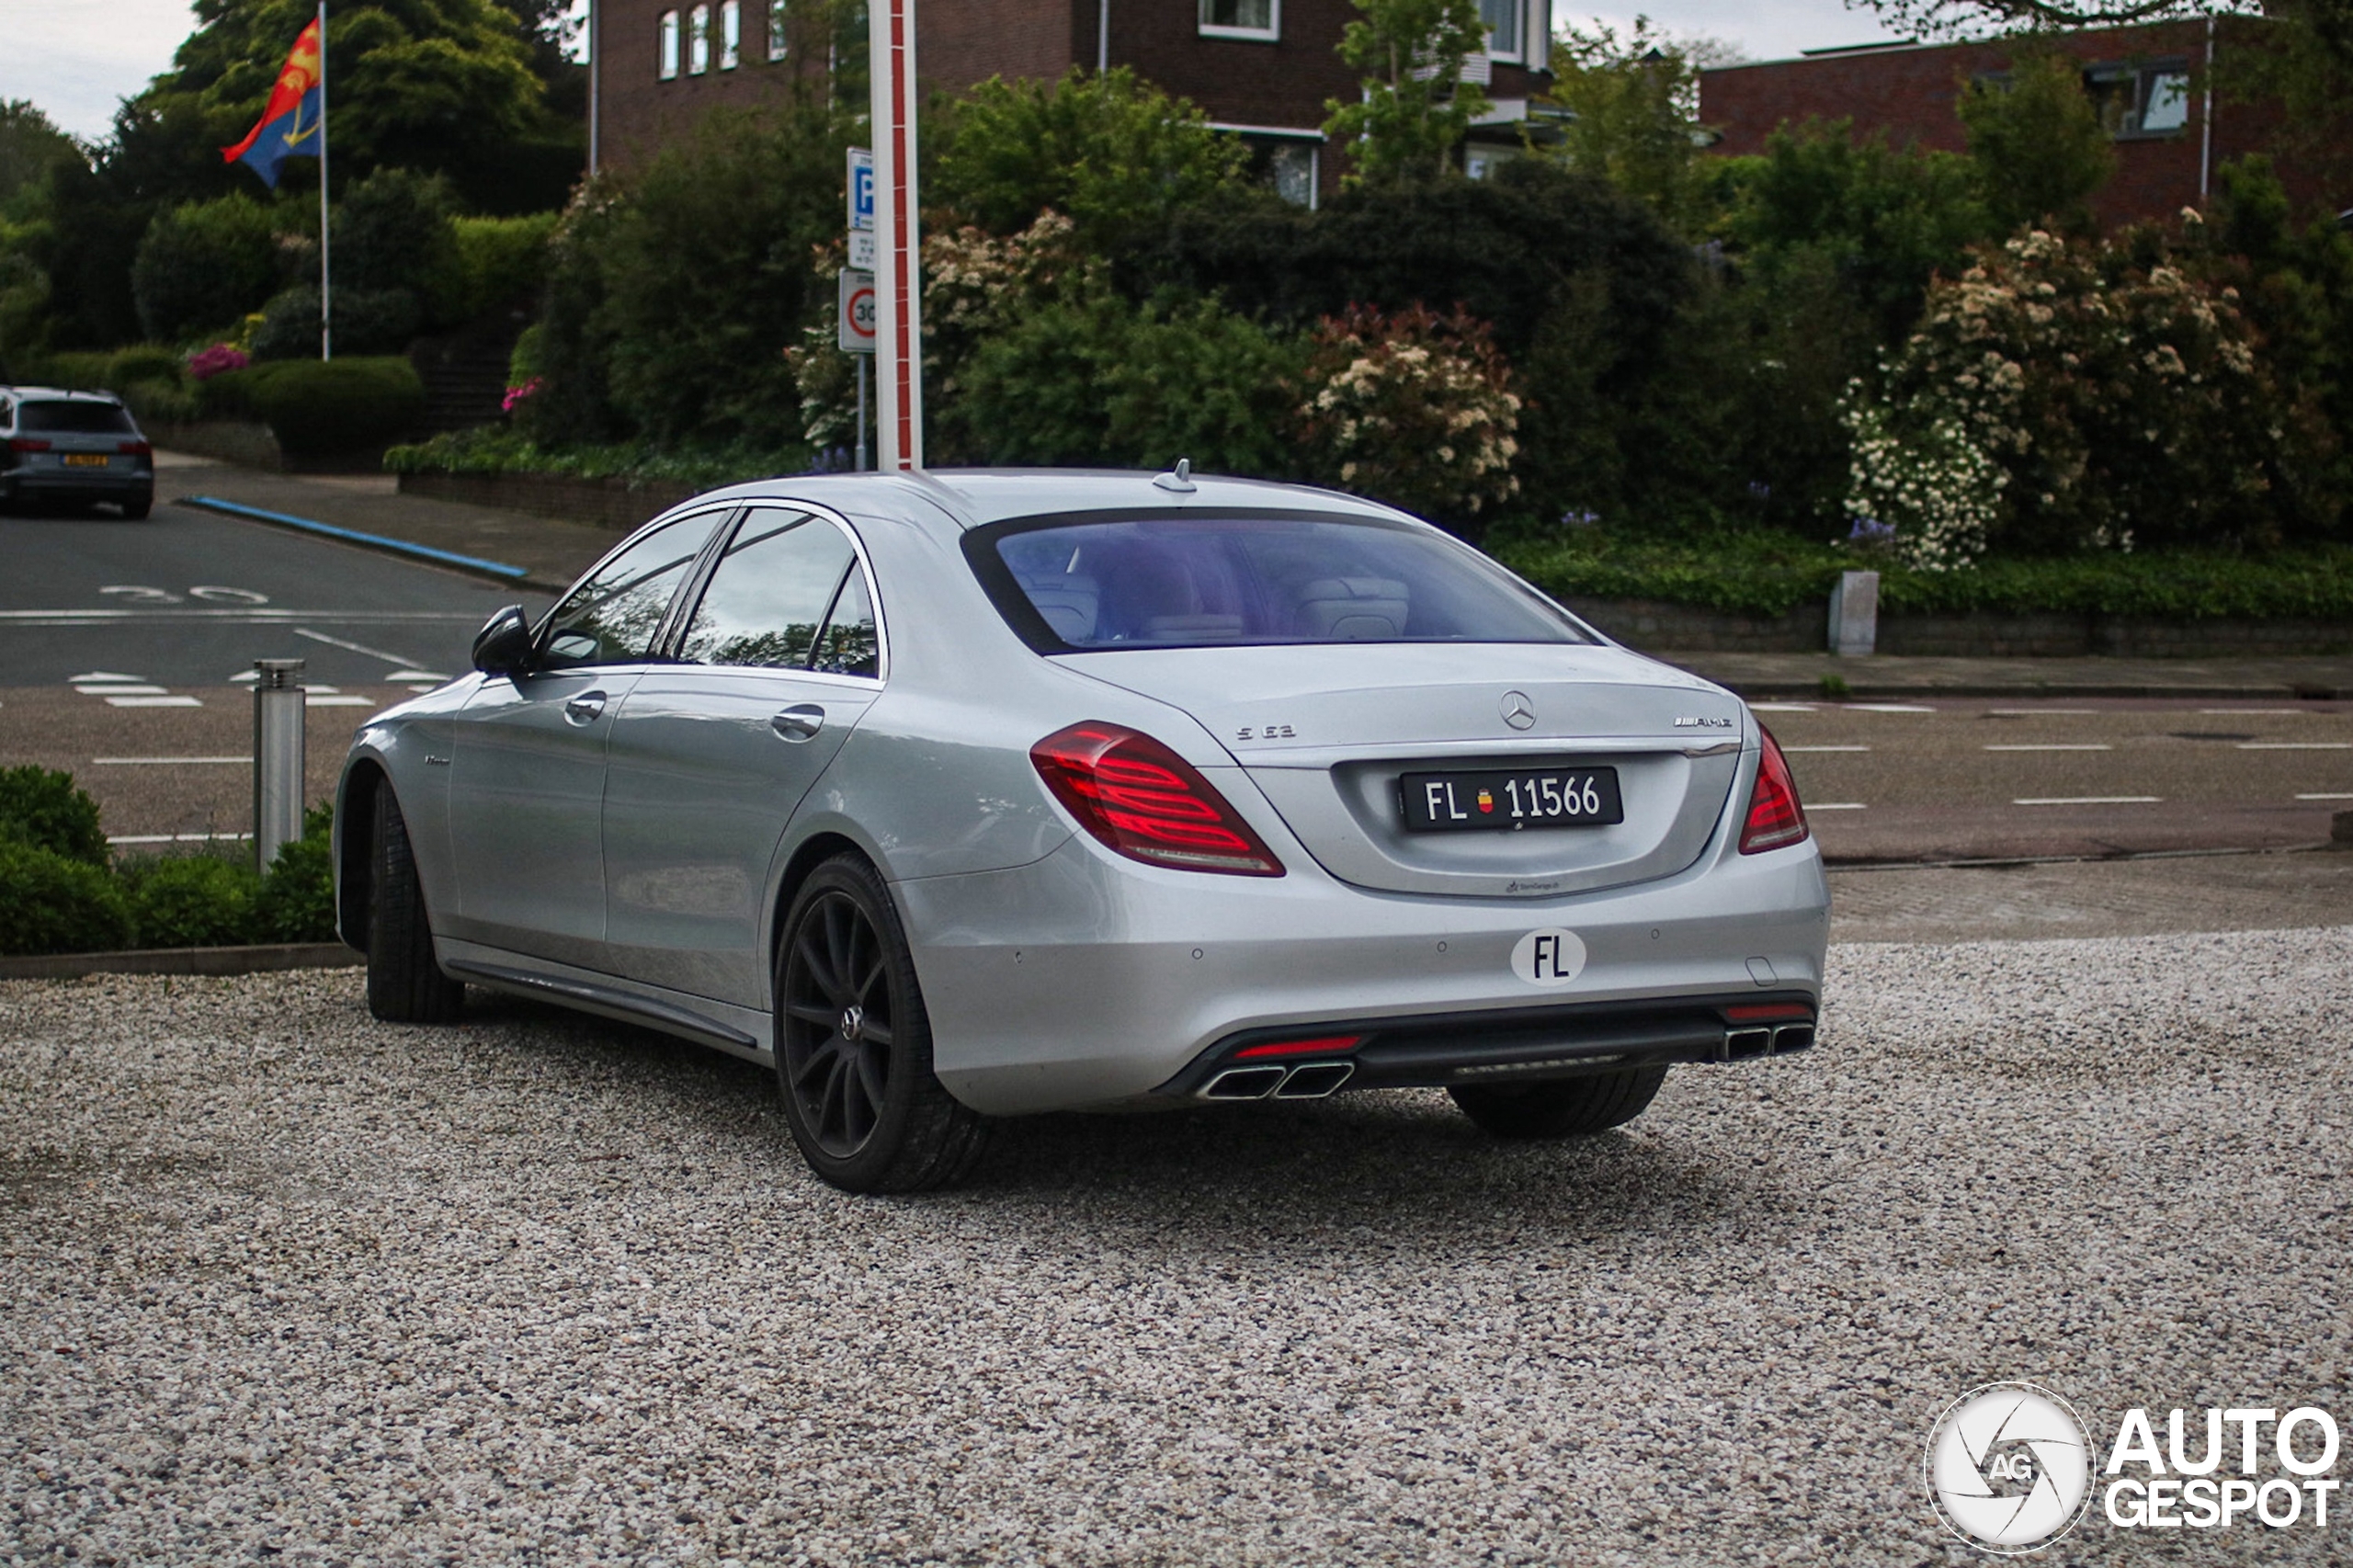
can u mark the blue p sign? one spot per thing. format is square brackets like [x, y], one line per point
[861, 188]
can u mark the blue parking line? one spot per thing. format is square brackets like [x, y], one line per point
[352, 536]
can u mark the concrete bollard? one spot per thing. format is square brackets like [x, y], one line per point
[279, 702]
[1853, 614]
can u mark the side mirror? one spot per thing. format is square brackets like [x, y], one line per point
[503, 645]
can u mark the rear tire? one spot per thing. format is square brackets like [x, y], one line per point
[133, 511]
[405, 986]
[853, 1043]
[1563, 1108]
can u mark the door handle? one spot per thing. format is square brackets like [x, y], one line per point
[586, 708]
[799, 722]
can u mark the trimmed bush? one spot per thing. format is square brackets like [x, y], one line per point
[191, 900]
[76, 370]
[203, 264]
[366, 321]
[40, 807]
[52, 905]
[500, 260]
[318, 408]
[142, 363]
[296, 903]
[160, 402]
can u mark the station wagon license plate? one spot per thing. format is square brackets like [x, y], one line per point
[86, 460]
[1521, 797]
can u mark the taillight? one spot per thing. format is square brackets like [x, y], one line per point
[27, 444]
[1147, 802]
[1776, 820]
[134, 449]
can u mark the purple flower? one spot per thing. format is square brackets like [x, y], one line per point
[1870, 530]
[207, 363]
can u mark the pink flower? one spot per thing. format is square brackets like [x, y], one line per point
[517, 396]
[207, 363]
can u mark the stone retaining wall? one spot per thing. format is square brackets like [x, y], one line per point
[616, 504]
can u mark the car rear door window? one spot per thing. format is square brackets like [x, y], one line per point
[770, 596]
[613, 617]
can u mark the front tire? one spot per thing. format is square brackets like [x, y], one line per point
[1563, 1108]
[404, 984]
[853, 1055]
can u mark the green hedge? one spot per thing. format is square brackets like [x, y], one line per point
[1772, 573]
[59, 892]
[498, 449]
[319, 407]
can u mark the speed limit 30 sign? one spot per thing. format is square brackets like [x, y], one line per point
[853, 323]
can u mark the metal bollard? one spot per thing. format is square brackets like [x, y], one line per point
[277, 757]
[1853, 614]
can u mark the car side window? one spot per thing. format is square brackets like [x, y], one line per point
[848, 646]
[613, 616]
[768, 595]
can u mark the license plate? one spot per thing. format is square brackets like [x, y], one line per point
[1520, 798]
[86, 460]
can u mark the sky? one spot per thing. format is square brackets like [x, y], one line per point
[76, 59]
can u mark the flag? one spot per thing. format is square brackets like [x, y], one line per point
[290, 127]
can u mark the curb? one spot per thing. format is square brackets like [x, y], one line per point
[498, 570]
[260, 960]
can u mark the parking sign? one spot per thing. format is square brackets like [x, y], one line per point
[862, 190]
[854, 326]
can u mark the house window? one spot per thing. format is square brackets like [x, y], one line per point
[730, 34]
[698, 41]
[1241, 18]
[669, 56]
[2140, 100]
[1502, 19]
[780, 35]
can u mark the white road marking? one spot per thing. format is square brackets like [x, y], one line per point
[1886, 708]
[174, 837]
[2296, 745]
[2342, 795]
[240, 616]
[155, 702]
[122, 688]
[333, 701]
[2088, 746]
[2251, 710]
[2089, 800]
[1826, 749]
[1836, 806]
[101, 676]
[215, 593]
[163, 761]
[2038, 712]
[417, 674]
[355, 647]
[1780, 708]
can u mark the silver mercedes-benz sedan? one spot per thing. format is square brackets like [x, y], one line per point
[959, 795]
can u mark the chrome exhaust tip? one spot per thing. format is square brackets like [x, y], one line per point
[1792, 1037]
[1243, 1084]
[1316, 1080]
[1746, 1045]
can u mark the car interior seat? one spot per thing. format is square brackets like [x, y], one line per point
[1351, 610]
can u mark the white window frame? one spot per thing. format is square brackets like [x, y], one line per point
[1519, 54]
[698, 41]
[730, 34]
[1271, 33]
[779, 30]
[667, 60]
[1314, 139]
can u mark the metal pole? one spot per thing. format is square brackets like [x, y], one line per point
[1102, 37]
[595, 65]
[862, 358]
[326, 291]
[278, 701]
[2206, 120]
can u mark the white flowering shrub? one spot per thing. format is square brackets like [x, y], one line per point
[1414, 409]
[2070, 396]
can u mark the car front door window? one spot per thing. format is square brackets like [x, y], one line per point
[614, 616]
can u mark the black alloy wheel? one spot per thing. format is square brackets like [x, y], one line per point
[854, 1044]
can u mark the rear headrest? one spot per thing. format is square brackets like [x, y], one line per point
[1068, 601]
[1348, 609]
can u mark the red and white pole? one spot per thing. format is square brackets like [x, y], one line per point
[898, 238]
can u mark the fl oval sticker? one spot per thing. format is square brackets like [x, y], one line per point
[1552, 956]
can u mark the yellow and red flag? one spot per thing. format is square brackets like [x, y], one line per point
[289, 125]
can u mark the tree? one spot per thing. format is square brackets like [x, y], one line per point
[29, 147]
[1416, 107]
[1634, 103]
[1109, 152]
[2038, 143]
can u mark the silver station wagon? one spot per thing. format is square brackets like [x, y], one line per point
[959, 795]
[66, 448]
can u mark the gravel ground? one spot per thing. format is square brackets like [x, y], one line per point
[284, 1284]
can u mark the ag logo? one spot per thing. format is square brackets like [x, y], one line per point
[1549, 957]
[2009, 1468]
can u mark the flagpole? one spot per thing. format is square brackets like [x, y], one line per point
[327, 293]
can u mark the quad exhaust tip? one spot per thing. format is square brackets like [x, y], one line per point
[1313, 1081]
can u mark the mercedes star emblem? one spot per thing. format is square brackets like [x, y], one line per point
[1518, 713]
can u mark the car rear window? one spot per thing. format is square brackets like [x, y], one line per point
[1070, 586]
[60, 418]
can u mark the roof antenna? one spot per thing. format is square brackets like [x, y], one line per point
[1180, 478]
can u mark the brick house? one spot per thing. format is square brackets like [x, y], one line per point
[1263, 69]
[2170, 135]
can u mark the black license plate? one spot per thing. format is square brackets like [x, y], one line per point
[1523, 796]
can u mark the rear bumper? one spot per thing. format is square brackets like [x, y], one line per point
[1084, 980]
[96, 484]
